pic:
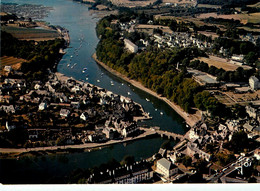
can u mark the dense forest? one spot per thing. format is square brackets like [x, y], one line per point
[156, 69]
[40, 56]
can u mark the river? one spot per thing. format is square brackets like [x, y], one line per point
[81, 24]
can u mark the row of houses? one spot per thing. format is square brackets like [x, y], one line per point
[128, 174]
[137, 172]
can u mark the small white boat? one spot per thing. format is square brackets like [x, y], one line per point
[161, 113]
[147, 99]
[112, 84]
[84, 70]
[128, 93]
[86, 78]
[71, 56]
[74, 65]
[68, 65]
[98, 80]
[122, 84]
[155, 109]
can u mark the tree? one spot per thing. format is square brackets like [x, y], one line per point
[166, 145]
[127, 160]
[238, 142]
[186, 161]
[251, 58]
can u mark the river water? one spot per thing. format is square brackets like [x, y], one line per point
[81, 24]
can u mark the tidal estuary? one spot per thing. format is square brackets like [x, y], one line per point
[83, 40]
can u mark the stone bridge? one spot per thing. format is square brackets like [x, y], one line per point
[169, 135]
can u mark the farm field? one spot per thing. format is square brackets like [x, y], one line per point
[244, 18]
[128, 3]
[15, 63]
[221, 63]
[180, 2]
[186, 19]
[149, 28]
[209, 6]
[231, 98]
[31, 34]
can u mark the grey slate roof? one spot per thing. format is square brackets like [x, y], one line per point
[165, 163]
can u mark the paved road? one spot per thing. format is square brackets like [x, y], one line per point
[229, 168]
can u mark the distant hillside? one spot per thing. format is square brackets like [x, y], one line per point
[227, 2]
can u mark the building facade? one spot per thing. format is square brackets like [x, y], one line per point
[166, 168]
[130, 46]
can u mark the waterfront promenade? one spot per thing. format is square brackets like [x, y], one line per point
[146, 133]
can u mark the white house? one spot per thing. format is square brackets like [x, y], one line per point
[84, 116]
[42, 106]
[254, 83]
[166, 168]
[130, 46]
[64, 113]
[7, 68]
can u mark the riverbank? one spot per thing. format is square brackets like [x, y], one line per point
[191, 119]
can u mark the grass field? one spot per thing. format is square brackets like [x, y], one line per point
[221, 63]
[30, 33]
[244, 18]
[15, 63]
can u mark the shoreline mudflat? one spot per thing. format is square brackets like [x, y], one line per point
[191, 119]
